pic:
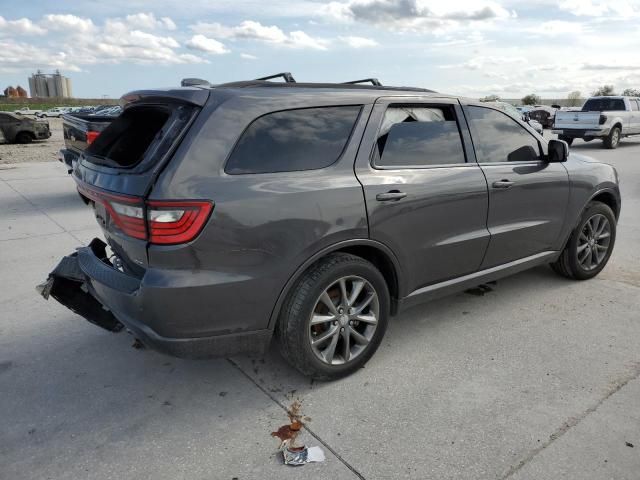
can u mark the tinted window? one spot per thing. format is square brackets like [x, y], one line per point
[499, 138]
[292, 140]
[634, 104]
[603, 105]
[419, 136]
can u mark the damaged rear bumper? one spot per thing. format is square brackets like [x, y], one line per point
[88, 284]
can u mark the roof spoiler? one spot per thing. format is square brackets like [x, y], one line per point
[193, 95]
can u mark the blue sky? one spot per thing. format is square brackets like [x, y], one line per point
[466, 47]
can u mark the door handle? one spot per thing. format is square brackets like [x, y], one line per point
[392, 196]
[504, 183]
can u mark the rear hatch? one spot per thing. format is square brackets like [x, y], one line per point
[577, 120]
[116, 172]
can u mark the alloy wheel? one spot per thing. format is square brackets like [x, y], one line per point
[344, 320]
[593, 242]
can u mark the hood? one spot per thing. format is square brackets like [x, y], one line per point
[583, 158]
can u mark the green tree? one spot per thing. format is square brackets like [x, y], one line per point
[531, 99]
[574, 99]
[604, 91]
[631, 92]
[490, 98]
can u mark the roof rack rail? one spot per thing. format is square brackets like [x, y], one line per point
[287, 77]
[374, 81]
[193, 82]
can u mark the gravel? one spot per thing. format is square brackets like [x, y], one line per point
[37, 151]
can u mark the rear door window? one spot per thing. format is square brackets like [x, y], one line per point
[415, 136]
[499, 138]
[634, 104]
[293, 140]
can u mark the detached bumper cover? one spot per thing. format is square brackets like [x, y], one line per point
[67, 283]
[87, 284]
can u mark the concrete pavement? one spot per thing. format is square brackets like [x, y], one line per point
[536, 379]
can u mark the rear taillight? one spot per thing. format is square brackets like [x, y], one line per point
[603, 118]
[173, 222]
[160, 222]
[91, 136]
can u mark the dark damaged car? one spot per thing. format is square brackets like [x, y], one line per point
[19, 129]
[315, 212]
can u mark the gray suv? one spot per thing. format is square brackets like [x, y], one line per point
[315, 212]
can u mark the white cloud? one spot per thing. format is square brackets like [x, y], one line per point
[299, 39]
[22, 26]
[252, 30]
[599, 8]
[67, 23]
[18, 56]
[248, 56]
[205, 44]
[150, 22]
[358, 42]
[246, 30]
[556, 28]
[74, 41]
[485, 62]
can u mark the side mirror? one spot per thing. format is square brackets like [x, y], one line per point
[558, 151]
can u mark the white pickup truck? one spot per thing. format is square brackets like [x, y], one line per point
[606, 118]
[27, 111]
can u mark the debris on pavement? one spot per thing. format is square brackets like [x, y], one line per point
[288, 434]
[296, 456]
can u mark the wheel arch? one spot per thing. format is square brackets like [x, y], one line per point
[608, 197]
[617, 123]
[605, 195]
[377, 253]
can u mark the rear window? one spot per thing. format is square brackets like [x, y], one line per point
[292, 140]
[603, 105]
[129, 136]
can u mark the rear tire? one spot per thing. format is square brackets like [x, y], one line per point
[569, 140]
[590, 244]
[24, 137]
[308, 326]
[613, 139]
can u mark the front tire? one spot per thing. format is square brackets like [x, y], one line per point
[24, 137]
[590, 245]
[613, 139]
[334, 319]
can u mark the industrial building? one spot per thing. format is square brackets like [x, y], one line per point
[44, 85]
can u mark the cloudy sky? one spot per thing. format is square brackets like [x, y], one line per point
[466, 47]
